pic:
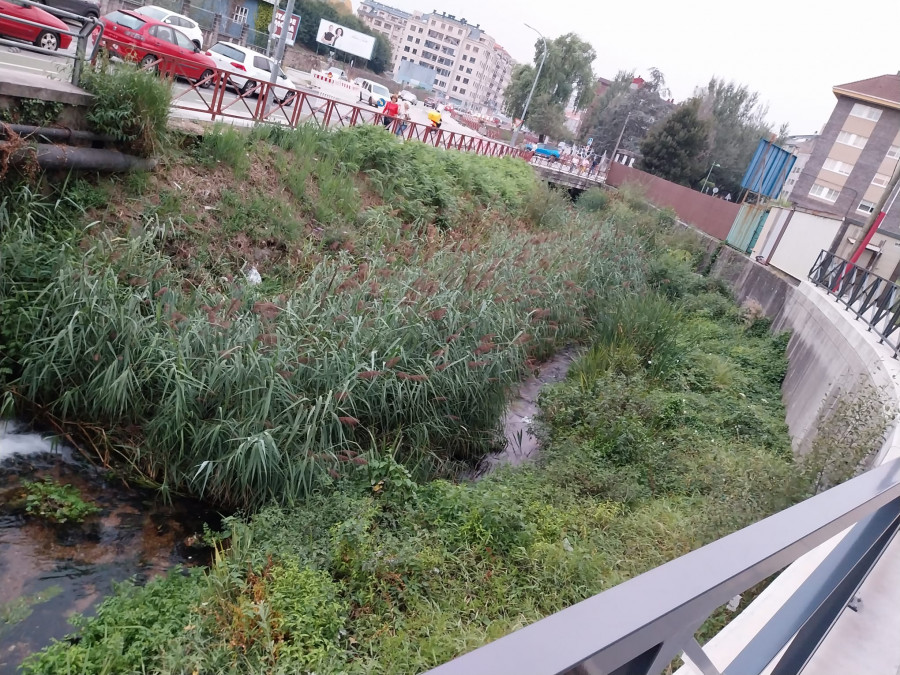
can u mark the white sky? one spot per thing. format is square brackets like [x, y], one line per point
[791, 51]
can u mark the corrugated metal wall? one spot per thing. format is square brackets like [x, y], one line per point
[746, 227]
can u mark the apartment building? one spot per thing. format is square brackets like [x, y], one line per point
[389, 21]
[801, 147]
[851, 163]
[470, 68]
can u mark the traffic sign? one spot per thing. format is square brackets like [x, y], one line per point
[590, 141]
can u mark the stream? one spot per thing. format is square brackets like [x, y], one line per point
[50, 572]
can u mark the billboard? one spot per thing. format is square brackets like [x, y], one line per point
[293, 26]
[768, 169]
[346, 40]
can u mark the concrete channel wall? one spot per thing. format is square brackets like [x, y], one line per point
[830, 355]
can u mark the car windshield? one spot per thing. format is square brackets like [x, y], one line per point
[125, 20]
[153, 12]
[380, 89]
[228, 52]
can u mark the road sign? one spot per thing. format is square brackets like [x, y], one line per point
[590, 141]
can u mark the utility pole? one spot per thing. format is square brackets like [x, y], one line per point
[706, 181]
[515, 133]
[877, 215]
[612, 158]
[279, 48]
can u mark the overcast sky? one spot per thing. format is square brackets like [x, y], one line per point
[791, 51]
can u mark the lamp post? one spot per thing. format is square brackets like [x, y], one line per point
[515, 133]
[706, 180]
[612, 158]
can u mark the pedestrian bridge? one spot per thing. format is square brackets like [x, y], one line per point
[565, 176]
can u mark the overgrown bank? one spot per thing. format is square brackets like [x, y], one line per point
[404, 291]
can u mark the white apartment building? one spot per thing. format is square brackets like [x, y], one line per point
[471, 69]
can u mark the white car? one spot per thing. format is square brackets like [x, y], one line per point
[372, 92]
[183, 23]
[409, 97]
[258, 68]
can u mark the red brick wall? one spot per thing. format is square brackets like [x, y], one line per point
[706, 213]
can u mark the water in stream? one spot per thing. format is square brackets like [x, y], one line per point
[49, 571]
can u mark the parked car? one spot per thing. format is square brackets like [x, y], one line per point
[139, 38]
[546, 150]
[376, 94]
[430, 103]
[338, 74]
[409, 97]
[183, 23]
[48, 35]
[238, 60]
[89, 8]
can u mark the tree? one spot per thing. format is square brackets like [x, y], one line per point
[737, 122]
[642, 107]
[675, 148]
[566, 75]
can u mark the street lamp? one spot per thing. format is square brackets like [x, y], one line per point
[706, 181]
[515, 133]
[612, 157]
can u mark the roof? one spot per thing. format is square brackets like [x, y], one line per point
[883, 90]
[387, 8]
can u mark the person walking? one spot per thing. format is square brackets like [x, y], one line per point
[434, 117]
[390, 112]
[404, 116]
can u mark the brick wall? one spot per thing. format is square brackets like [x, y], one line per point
[708, 214]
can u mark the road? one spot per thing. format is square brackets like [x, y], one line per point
[60, 68]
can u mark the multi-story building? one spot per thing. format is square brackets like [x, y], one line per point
[852, 162]
[470, 68]
[389, 21]
[801, 147]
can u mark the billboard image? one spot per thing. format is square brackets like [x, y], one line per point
[345, 39]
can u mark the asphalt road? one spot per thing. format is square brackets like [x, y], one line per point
[60, 68]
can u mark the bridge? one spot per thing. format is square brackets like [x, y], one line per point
[563, 175]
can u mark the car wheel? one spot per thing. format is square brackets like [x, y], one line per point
[370, 102]
[92, 14]
[47, 40]
[149, 63]
[289, 99]
[206, 74]
[248, 85]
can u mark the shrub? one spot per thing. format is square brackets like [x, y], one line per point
[592, 200]
[129, 104]
[56, 503]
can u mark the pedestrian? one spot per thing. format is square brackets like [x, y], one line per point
[595, 162]
[434, 119]
[390, 112]
[404, 116]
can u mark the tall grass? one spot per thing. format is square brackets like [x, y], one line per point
[245, 398]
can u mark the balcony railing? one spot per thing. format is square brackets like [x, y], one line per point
[871, 298]
[640, 626]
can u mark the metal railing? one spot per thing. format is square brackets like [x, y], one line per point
[218, 97]
[87, 37]
[641, 625]
[872, 298]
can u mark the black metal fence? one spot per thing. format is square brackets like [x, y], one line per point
[638, 627]
[870, 297]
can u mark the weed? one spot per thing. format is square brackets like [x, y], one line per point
[593, 200]
[56, 503]
[226, 144]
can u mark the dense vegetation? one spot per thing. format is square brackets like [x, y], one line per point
[404, 291]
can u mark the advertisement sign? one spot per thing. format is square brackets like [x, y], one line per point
[345, 39]
[293, 26]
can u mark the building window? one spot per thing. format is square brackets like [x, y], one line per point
[454, 88]
[417, 40]
[866, 207]
[475, 49]
[824, 193]
[854, 140]
[894, 152]
[462, 91]
[457, 78]
[240, 15]
[377, 22]
[865, 111]
[468, 71]
[420, 30]
[465, 80]
[409, 38]
[461, 67]
[403, 58]
[467, 47]
[838, 167]
[415, 51]
[406, 48]
[881, 180]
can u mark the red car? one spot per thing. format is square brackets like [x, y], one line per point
[155, 45]
[52, 37]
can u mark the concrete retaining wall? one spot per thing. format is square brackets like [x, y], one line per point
[830, 354]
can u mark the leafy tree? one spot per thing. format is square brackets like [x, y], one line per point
[623, 105]
[566, 73]
[737, 122]
[675, 148]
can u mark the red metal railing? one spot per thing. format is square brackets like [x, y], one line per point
[210, 96]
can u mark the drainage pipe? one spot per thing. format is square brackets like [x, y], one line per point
[80, 159]
[56, 134]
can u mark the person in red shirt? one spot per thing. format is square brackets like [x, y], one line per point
[390, 112]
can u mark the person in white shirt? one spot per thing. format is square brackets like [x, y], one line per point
[403, 117]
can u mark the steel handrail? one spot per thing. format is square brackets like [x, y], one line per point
[642, 624]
